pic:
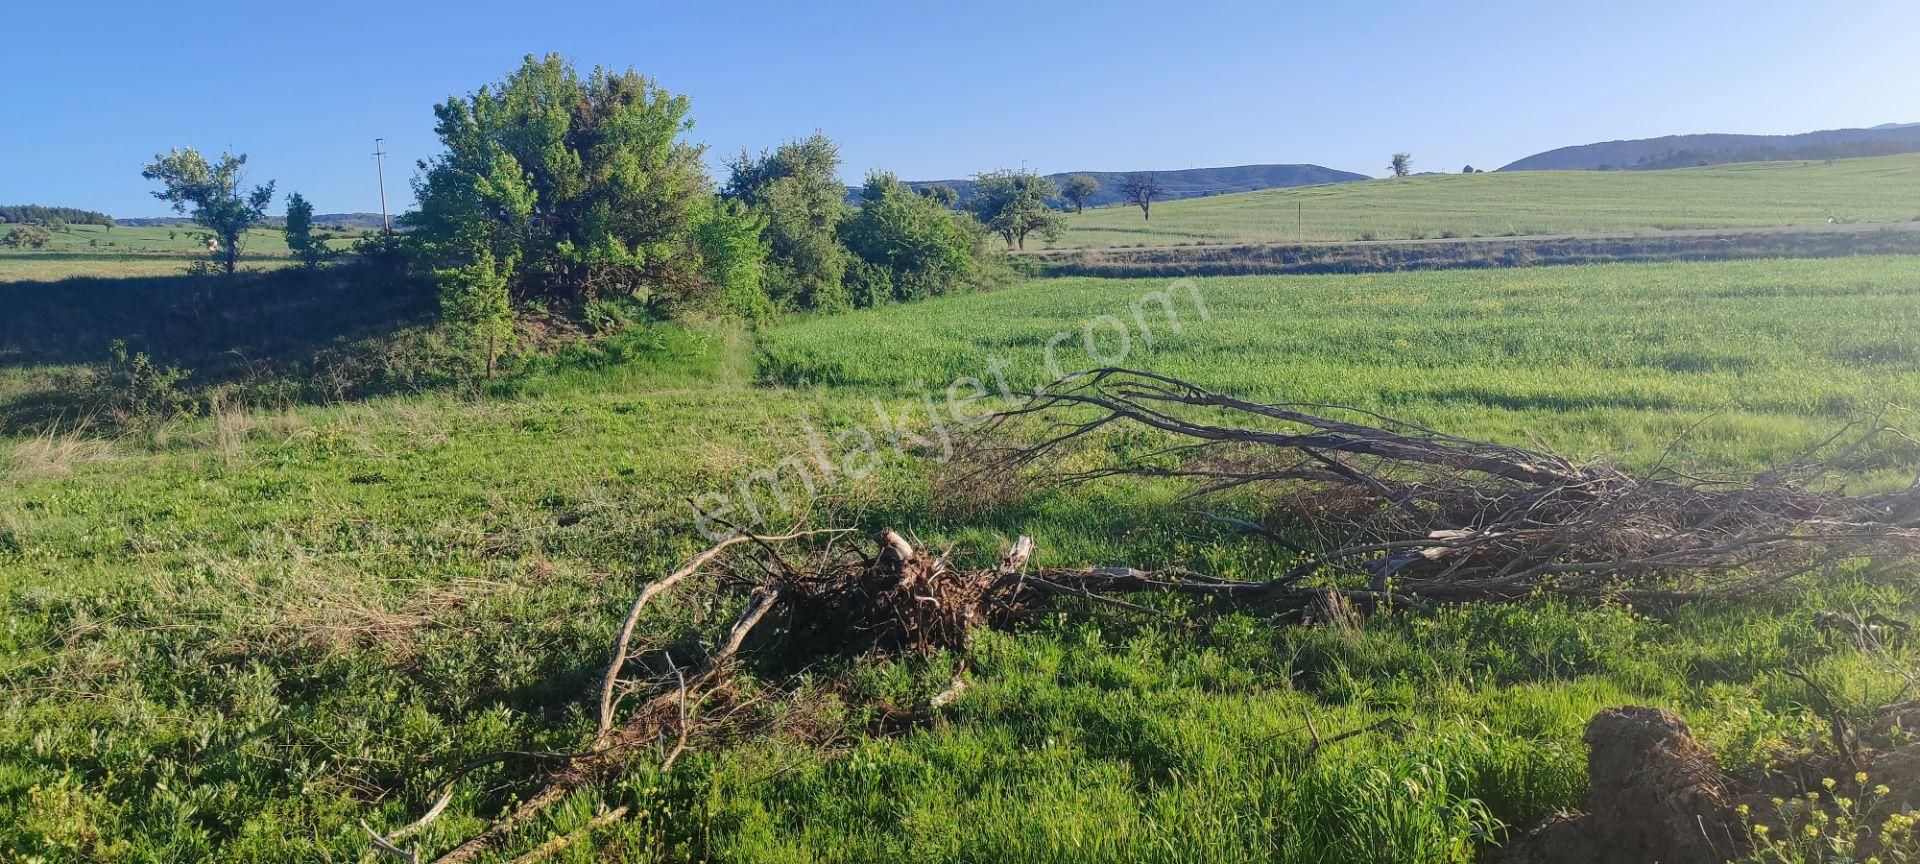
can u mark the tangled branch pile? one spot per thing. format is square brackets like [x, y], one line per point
[840, 599]
[1439, 516]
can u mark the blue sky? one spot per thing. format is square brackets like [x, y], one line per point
[943, 91]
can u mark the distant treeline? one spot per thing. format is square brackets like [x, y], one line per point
[36, 214]
[1690, 157]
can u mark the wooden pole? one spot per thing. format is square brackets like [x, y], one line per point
[380, 166]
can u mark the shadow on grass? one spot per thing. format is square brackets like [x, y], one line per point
[223, 328]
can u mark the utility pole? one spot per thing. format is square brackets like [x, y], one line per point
[380, 166]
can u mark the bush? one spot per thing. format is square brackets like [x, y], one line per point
[28, 237]
[600, 158]
[135, 390]
[869, 284]
[923, 248]
[733, 252]
[797, 186]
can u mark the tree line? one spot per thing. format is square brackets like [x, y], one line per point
[35, 214]
[555, 190]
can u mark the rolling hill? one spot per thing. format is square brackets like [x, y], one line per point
[1186, 183]
[1881, 189]
[1682, 151]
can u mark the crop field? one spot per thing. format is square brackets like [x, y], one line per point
[1879, 189]
[126, 250]
[238, 636]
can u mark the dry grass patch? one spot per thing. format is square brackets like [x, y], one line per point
[54, 453]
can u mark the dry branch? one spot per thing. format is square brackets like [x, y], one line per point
[610, 680]
[900, 599]
[1425, 514]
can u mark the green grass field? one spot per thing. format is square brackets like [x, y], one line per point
[126, 250]
[234, 638]
[1880, 189]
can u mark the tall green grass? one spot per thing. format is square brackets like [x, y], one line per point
[1752, 360]
[236, 637]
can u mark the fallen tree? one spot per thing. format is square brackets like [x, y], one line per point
[1419, 513]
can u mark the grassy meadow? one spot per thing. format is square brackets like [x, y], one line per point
[235, 637]
[1754, 194]
[97, 251]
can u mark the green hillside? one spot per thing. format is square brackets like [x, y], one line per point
[1878, 189]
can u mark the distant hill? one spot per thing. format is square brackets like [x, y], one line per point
[324, 220]
[1186, 183]
[1686, 151]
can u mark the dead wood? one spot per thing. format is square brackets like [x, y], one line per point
[900, 599]
[1422, 514]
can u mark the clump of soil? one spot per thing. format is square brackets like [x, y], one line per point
[1658, 795]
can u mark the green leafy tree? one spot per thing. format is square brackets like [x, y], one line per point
[576, 187]
[210, 193]
[477, 306]
[307, 248]
[1401, 164]
[1013, 204]
[28, 237]
[921, 247]
[1078, 189]
[941, 192]
[733, 250]
[797, 186]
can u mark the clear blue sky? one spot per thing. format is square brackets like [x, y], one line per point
[95, 89]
